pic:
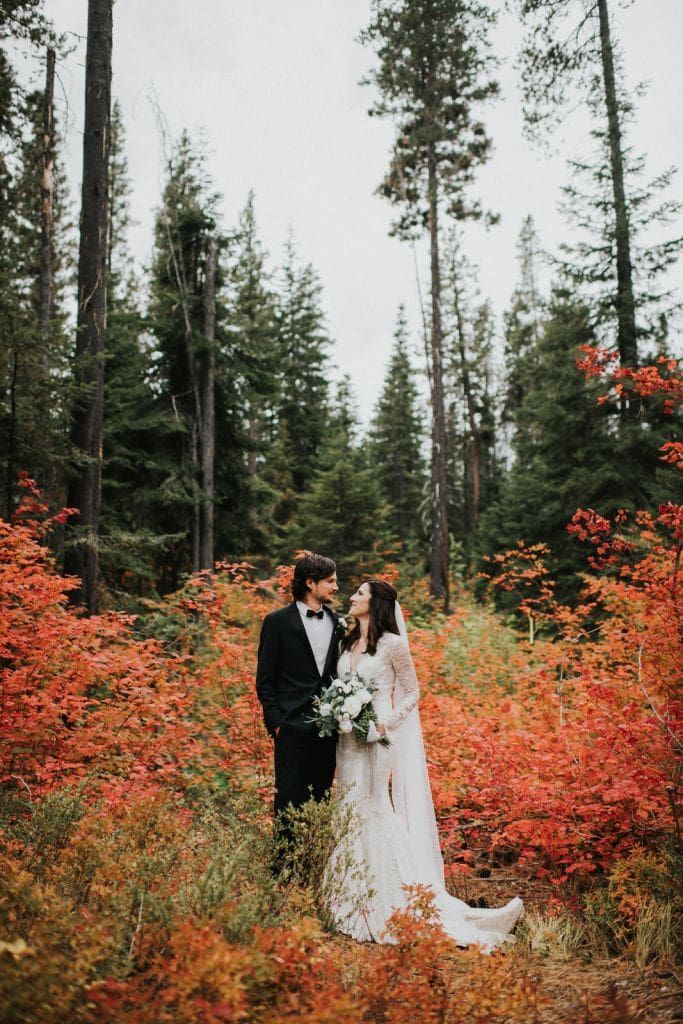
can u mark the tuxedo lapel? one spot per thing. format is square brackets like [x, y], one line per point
[300, 632]
[334, 640]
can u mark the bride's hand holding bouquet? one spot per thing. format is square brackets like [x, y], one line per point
[346, 706]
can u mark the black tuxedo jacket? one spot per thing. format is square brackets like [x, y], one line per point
[287, 676]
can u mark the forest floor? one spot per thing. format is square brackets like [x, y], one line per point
[580, 989]
[570, 988]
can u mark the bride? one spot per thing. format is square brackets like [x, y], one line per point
[396, 837]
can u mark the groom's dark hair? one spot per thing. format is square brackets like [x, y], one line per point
[310, 567]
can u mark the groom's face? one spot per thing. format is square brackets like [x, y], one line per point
[324, 589]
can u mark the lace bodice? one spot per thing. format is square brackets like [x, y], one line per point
[392, 671]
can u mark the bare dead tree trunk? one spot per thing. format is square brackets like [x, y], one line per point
[81, 557]
[475, 440]
[208, 422]
[626, 310]
[45, 280]
[439, 545]
[194, 465]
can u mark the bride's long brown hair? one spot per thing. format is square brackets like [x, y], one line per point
[382, 616]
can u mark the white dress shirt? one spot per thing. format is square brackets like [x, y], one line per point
[319, 633]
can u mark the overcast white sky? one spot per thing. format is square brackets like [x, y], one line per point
[273, 86]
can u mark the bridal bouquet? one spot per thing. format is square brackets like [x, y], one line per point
[346, 706]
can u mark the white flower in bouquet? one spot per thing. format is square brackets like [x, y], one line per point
[346, 706]
[352, 705]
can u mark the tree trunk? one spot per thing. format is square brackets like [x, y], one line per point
[81, 557]
[439, 547]
[627, 337]
[45, 281]
[195, 526]
[475, 441]
[11, 441]
[208, 422]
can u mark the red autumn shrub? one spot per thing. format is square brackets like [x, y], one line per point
[577, 761]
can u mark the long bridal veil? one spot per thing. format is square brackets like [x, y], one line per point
[412, 799]
[411, 794]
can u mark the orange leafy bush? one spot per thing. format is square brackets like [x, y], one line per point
[578, 760]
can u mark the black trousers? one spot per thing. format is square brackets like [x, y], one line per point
[304, 766]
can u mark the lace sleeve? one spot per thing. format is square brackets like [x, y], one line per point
[402, 664]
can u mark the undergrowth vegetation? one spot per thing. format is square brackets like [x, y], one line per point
[135, 794]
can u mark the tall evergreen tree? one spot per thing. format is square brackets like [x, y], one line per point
[302, 399]
[343, 514]
[571, 42]
[186, 222]
[591, 261]
[432, 77]
[252, 315]
[80, 554]
[523, 324]
[34, 365]
[20, 20]
[303, 344]
[472, 454]
[396, 443]
[252, 345]
[140, 430]
[567, 451]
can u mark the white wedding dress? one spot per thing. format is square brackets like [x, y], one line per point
[395, 837]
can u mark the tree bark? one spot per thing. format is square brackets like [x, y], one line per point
[11, 441]
[45, 281]
[81, 558]
[626, 314]
[208, 421]
[475, 442]
[439, 545]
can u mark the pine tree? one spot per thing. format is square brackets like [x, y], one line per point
[185, 226]
[140, 430]
[433, 75]
[564, 451]
[523, 325]
[568, 42]
[303, 344]
[396, 443]
[34, 406]
[80, 553]
[591, 261]
[343, 514]
[20, 20]
[472, 452]
[251, 359]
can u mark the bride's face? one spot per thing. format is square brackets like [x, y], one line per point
[359, 603]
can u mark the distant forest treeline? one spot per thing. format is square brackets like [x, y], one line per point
[190, 416]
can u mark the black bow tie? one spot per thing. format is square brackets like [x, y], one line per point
[310, 614]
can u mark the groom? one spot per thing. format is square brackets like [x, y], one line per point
[297, 656]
